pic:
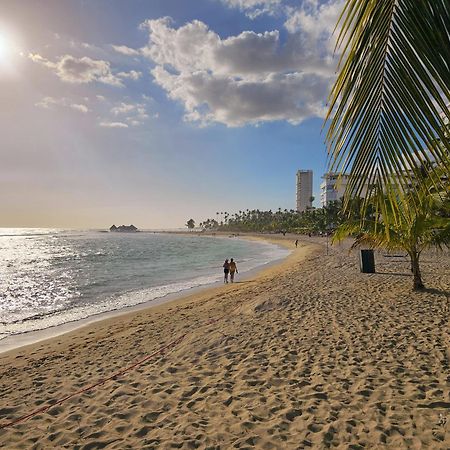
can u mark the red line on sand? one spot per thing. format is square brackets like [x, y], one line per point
[92, 386]
[102, 381]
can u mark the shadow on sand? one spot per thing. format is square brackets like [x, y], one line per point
[398, 274]
[436, 291]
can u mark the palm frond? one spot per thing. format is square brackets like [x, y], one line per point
[413, 222]
[389, 104]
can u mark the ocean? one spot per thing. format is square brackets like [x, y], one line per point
[50, 277]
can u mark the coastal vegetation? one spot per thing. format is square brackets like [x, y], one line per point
[418, 220]
[190, 224]
[315, 221]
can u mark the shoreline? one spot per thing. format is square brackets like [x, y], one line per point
[17, 341]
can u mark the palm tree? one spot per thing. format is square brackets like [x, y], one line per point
[418, 220]
[190, 224]
[392, 94]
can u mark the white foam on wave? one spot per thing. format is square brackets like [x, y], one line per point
[43, 321]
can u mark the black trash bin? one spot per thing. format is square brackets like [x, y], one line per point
[367, 261]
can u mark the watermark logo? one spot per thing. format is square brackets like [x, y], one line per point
[442, 420]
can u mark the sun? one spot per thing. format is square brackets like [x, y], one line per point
[5, 48]
[9, 54]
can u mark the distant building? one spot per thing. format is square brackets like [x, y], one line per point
[332, 187]
[123, 229]
[304, 189]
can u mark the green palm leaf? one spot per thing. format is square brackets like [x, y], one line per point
[389, 104]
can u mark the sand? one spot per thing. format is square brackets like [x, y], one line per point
[308, 354]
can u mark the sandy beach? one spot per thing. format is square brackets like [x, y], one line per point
[310, 353]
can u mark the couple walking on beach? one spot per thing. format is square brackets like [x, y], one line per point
[229, 267]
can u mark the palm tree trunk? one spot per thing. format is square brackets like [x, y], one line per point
[417, 277]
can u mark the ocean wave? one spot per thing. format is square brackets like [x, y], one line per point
[106, 291]
[44, 320]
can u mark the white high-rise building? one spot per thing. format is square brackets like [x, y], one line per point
[304, 189]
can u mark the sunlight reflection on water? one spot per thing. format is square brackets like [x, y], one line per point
[49, 277]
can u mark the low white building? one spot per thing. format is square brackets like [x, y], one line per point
[332, 187]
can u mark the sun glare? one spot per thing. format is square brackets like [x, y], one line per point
[9, 52]
[5, 48]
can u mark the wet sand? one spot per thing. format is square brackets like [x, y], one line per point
[310, 353]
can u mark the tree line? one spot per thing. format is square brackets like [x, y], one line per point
[312, 220]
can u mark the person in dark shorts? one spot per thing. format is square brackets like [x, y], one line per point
[233, 270]
[226, 271]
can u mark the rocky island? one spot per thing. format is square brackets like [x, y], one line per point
[124, 229]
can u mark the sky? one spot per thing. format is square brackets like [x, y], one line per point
[154, 112]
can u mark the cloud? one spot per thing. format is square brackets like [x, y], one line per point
[123, 108]
[208, 99]
[124, 50]
[48, 102]
[80, 70]
[79, 107]
[133, 113]
[119, 115]
[132, 75]
[315, 21]
[51, 102]
[244, 79]
[254, 8]
[113, 125]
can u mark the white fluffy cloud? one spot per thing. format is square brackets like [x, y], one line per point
[52, 102]
[79, 107]
[315, 21]
[123, 108]
[254, 8]
[133, 113]
[80, 70]
[48, 102]
[124, 50]
[132, 75]
[85, 70]
[248, 78]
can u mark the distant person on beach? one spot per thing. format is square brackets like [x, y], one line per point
[226, 270]
[233, 270]
[296, 243]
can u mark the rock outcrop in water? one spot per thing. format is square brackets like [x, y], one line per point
[124, 229]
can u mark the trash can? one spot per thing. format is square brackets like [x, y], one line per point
[367, 261]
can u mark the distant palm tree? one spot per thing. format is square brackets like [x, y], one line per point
[190, 224]
[390, 102]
